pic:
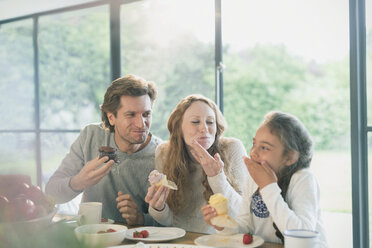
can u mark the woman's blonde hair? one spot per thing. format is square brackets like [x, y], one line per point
[177, 161]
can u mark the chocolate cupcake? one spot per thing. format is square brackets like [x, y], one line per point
[110, 152]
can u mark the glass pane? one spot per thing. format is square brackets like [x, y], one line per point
[369, 60]
[54, 148]
[173, 48]
[17, 154]
[74, 67]
[17, 76]
[369, 183]
[295, 60]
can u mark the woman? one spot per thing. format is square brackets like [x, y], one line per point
[200, 161]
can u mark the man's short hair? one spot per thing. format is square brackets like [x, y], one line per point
[129, 85]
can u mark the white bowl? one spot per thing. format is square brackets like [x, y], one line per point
[88, 234]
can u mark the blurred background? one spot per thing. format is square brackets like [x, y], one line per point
[58, 57]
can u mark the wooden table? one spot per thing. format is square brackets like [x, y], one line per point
[191, 236]
[187, 239]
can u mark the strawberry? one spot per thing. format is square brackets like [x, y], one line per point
[111, 230]
[145, 233]
[247, 238]
[137, 234]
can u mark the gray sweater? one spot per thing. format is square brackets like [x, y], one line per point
[129, 176]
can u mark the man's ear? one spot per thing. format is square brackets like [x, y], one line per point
[111, 118]
[292, 157]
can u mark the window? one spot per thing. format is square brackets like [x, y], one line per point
[74, 73]
[171, 49]
[295, 60]
[289, 60]
[17, 91]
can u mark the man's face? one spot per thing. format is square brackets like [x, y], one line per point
[132, 121]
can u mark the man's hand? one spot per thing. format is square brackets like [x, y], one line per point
[90, 174]
[128, 209]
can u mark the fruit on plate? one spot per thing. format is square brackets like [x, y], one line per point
[4, 202]
[145, 233]
[22, 202]
[21, 208]
[141, 234]
[107, 231]
[247, 238]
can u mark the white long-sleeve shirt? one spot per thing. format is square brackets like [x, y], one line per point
[191, 217]
[300, 210]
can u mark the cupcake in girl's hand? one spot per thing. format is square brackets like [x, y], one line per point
[156, 178]
[220, 203]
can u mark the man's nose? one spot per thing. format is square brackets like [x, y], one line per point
[141, 122]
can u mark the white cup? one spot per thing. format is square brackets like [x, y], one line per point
[90, 213]
[295, 238]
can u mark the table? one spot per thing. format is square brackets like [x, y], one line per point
[187, 239]
[191, 236]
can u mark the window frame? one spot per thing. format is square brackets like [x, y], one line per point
[358, 99]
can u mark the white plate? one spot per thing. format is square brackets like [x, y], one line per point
[160, 246]
[109, 221]
[236, 240]
[156, 234]
[73, 222]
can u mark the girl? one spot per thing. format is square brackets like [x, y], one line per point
[284, 193]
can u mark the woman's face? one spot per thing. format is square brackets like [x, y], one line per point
[199, 123]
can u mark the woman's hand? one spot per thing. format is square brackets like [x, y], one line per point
[208, 214]
[212, 166]
[156, 198]
[262, 174]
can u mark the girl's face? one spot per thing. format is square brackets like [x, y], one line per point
[267, 148]
[199, 123]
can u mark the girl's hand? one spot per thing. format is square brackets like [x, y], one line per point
[262, 174]
[212, 166]
[156, 198]
[208, 214]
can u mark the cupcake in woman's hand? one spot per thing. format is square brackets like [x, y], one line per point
[157, 178]
[110, 152]
[223, 219]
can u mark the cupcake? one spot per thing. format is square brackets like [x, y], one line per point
[110, 152]
[220, 203]
[157, 178]
[223, 219]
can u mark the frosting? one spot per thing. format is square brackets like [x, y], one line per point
[217, 199]
[155, 177]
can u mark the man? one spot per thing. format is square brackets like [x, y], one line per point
[121, 187]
